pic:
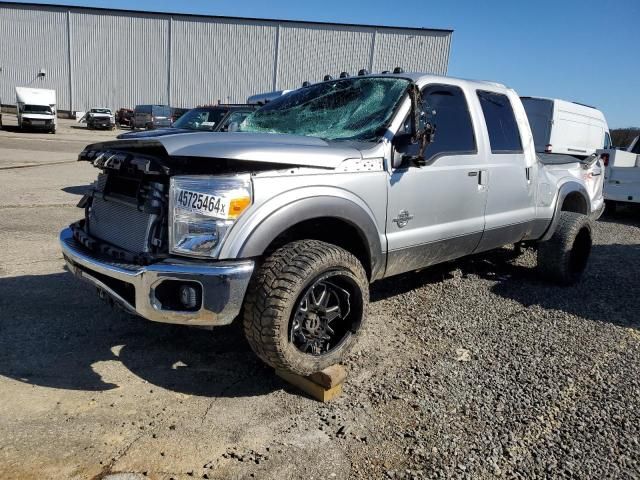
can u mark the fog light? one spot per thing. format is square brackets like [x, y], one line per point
[188, 296]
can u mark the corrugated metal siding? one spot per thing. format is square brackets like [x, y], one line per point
[427, 52]
[215, 60]
[118, 60]
[309, 52]
[121, 59]
[32, 39]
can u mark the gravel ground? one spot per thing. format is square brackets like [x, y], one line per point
[473, 369]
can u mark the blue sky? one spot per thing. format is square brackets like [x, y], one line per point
[581, 50]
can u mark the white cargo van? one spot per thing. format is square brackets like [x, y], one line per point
[36, 108]
[564, 127]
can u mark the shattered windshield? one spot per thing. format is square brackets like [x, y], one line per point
[101, 110]
[350, 108]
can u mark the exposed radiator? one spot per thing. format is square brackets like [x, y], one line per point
[121, 225]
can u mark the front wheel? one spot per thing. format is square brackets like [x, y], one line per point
[564, 257]
[306, 306]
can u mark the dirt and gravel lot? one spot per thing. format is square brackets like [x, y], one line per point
[474, 369]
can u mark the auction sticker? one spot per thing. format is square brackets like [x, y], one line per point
[209, 205]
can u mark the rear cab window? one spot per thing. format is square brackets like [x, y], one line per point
[504, 134]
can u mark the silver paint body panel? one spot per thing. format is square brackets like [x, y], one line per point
[409, 217]
[452, 214]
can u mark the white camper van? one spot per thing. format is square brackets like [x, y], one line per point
[36, 108]
[564, 127]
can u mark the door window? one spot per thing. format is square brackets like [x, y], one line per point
[504, 135]
[447, 109]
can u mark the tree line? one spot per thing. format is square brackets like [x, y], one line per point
[622, 137]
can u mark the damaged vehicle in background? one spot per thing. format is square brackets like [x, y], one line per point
[321, 192]
[97, 118]
[218, 118]
[124, 118]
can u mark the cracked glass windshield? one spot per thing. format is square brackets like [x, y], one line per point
[345, 109]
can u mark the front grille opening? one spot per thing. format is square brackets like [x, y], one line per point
[125, 186]
[181, 296]
[124, 289]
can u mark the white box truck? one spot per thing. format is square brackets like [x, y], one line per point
[564, 127]
[36, 109]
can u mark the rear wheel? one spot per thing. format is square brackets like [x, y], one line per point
[564, 257]
[306, 306]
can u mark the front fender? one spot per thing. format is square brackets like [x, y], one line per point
[254, 234]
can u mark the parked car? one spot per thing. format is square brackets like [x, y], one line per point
[151, 116]
[564, 127]
[100, 118]
[217, 118]
[124, 118]
[322, 192]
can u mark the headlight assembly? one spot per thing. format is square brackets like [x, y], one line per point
[202, 211]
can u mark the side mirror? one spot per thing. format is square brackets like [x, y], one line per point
[233, 127]
[408, 147]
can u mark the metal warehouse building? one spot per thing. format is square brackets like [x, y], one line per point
[115, 58]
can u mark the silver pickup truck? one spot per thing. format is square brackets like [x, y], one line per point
[287, 221]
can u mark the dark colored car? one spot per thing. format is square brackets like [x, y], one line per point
[216, 118]
[124, 117]
[151, 116]
[176, 113]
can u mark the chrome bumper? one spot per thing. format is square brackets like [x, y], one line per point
[224, 284]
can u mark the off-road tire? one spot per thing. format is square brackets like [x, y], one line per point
[274, 293]
[563, 258]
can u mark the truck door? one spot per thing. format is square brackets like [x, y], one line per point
[436, 211]
[510, 207]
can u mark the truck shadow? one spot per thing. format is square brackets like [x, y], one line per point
[16, 129]
[608, 291]
[53, 330]
[77, 189]
[624, 214]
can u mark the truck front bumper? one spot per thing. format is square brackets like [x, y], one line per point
[152, 291]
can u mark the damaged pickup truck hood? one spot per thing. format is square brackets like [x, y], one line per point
[252, 147]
